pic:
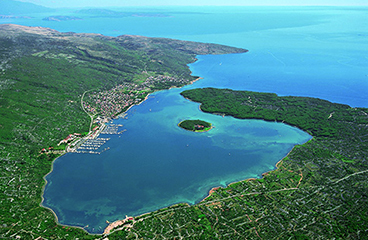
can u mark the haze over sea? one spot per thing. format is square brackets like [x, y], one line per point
[310, 51]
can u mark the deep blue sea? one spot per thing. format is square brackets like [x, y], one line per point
[310, 51]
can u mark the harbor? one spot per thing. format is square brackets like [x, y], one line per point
[92, 143]
[112, 129]
[93, 146]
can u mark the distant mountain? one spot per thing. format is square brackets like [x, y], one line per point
[11, 7]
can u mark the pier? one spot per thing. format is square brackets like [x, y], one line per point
[112, 129]
[92, 143]
[93, 146]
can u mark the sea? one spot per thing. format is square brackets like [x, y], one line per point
[319, 52]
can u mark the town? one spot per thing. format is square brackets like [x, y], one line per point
[110, 103]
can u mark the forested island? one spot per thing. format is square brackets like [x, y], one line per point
[195, 125]
[61, 18]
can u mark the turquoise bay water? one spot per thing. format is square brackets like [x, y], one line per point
[156, 164]
[317, 52]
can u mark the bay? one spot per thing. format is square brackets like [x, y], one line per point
[155, 163]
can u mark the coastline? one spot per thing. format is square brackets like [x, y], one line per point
[52, 164]
[212, 190]
[197, 131]
[52, 211]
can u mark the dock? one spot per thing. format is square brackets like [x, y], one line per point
[112, 129]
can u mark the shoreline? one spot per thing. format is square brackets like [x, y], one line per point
[52, 211]
[52, 165]
[196, 131]
[212, 190]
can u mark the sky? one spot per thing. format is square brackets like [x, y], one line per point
[122, 3]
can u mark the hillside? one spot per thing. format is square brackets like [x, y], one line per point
[11, 7]
[43, 76]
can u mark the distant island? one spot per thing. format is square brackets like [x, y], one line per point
[13, 17]
[195, 125]
[61, 18]
[96, 13]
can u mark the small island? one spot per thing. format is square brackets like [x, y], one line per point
[195, 125]
[61, 18]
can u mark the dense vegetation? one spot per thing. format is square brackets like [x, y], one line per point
[43, 76]
[319, 191]
[195, 125]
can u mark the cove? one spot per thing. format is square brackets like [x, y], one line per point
[155, 163]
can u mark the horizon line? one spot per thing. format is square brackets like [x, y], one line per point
[158, 6]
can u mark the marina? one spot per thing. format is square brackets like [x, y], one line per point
[93, 146]
[112, 129]
[92, 143]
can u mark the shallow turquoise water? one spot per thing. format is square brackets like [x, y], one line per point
[318, 52]
[156, 164]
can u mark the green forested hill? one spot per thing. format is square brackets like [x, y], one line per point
[43, 76]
